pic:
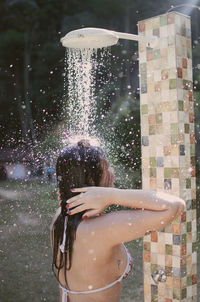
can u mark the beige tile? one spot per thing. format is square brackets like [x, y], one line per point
[176, 261]
[163, 31]
[168, 238]
[154, 258]
[156, 22]
[176, 250]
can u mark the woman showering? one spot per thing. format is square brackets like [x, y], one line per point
[89, 257]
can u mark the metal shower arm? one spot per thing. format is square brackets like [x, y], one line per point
[151, 41]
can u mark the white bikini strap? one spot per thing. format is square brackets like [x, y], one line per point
[65, 291]
[64, 294]
[62, 246]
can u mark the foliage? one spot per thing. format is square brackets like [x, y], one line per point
[33, 28]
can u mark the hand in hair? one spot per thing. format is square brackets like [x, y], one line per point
[94, 200]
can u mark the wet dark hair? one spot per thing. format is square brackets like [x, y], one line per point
[78, 166]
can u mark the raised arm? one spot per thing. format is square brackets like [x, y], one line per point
[156, 210]
[96, 199]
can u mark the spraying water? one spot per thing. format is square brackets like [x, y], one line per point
[81, 68]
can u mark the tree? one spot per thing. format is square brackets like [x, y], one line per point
[23, 15]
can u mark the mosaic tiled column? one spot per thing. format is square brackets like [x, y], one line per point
[168, 154]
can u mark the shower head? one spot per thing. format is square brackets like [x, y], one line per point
[90, 37]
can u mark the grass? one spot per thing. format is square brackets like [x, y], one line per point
[25, 254]
[25, 250]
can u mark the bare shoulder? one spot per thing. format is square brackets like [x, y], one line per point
[54, 218]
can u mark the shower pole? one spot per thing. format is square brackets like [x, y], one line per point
[168, 155]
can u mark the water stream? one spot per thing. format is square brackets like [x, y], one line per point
[81, 68]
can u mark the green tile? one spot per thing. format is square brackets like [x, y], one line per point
[183, 239]
[156, 54]
[188, 183]
[154, 268]
[175, 172]
[183, 293]
[144, 109]
[174, 128]
[158, 118]
[176, 293]
[192, 150]
[143, 67]
[156, 32]
[152, 129]
[187, 85]
[174, 139]
[168, 249]
[180, 105]
[143, 79]
[189, 280]
[189, 226]
[152, 162]
[194, 247]
[193, 160]
[152, 172]
[167, 172]
[189, 53]
[163, 20]
[172, 83]
[186, 128]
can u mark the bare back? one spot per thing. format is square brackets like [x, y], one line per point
[98, 254]
[94, 265]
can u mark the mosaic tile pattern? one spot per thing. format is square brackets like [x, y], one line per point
[168, 154]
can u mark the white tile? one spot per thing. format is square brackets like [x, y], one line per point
[161, 259]
[163, 31]
[194, 236]
[189, 248]
[176, 250]
[157, 75]
[143, 58]
[143, 99]
[159, 151]
[166, 117]
[189, 291]
[183, 228]
[173, 117]
[171, 29]
[154, 247]
[163, 42]
[176, 261]
[168, 238]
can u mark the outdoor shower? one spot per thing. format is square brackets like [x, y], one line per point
[91, 37]
[168, 145]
